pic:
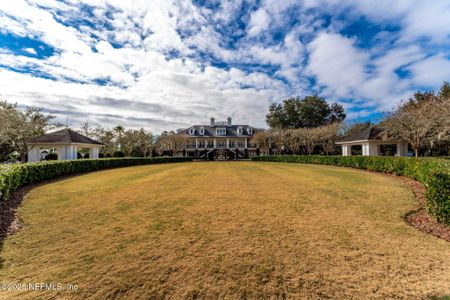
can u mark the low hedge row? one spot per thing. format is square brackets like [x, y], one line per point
[433, 173]
[17, 175]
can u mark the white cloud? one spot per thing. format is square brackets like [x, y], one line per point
[30, 51]
[259, 21]
[148, 87]
[337, 64]
[431, 72]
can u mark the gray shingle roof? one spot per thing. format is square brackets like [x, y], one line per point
[369, 134]
[64, 136]
[210, 131]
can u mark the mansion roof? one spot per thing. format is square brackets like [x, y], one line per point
[219, 129]
[210, 131]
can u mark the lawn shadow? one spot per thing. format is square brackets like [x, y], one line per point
[9, 222]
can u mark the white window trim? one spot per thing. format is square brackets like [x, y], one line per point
[191, 131]
[221, 131]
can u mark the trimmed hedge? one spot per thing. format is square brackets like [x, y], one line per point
[433, 173]
[16, 175]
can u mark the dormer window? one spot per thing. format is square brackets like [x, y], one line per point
[240, 130]
[250, 131]
[221, 131]
[191, 131]
[201, 131]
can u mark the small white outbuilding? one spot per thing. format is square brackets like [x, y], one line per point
[372, 141]
[65, 142]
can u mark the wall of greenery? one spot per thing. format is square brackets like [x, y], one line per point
[14, 176]
[433, 173]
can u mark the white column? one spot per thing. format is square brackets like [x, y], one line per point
[96, 150]
[34, 154]
[74, 152]
[92, 152]
[196, 144]
[215, 145]
[365, 149]
[345, 151]
[402, 149]
[62, 152]
[373, 149]
[228, 143]
[245, 145]
[69, 151]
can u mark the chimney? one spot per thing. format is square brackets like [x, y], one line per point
[213, 121]
[229, 121]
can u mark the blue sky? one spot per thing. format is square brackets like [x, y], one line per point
[168, 64]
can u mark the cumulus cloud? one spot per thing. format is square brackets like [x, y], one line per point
[337, 64]
[168, 64]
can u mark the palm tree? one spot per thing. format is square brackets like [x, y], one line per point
[119, 129]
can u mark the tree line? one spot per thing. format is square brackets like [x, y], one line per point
[121, 142]
[423, 121]
[309, 125]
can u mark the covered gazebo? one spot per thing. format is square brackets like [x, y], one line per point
[372, 141]
[65, 141]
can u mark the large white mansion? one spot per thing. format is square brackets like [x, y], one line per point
[218, 141]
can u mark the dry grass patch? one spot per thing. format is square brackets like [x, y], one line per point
[229, 230]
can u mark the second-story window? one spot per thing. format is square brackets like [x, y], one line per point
[221, 131]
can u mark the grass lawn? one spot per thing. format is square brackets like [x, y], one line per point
[225, 229]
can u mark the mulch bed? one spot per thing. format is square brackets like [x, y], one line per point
[420, 219]
[9, 223]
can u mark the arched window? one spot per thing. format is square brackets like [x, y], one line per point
[240, 130]
[201, 131]
[191, 131]
[250, 131]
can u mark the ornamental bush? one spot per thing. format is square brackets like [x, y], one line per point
[433, 173]
[16, 175]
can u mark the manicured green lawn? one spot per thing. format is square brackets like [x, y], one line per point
[226, 229]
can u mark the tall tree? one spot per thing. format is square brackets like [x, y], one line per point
[276, 118]
[119, 129]
[314, 112]
[414, 121]
[310, 111]
[86, 129]
[18, 126]
[106, 137]
[444, 92]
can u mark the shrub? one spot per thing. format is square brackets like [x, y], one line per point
[14, 176]
[119, 154]
[51, 156]
[433, 173]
